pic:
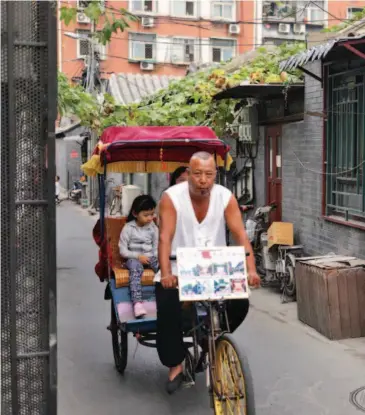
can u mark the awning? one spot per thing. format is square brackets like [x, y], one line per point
[318, 52]
[260, 91]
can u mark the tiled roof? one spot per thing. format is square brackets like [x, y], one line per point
[127, 88]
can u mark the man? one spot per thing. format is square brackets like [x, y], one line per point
[194, 213]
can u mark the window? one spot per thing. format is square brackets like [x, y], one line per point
[351, 11]
[345, 146]
[182, 8]
[223, 50]
[183, 50]
[142, 46]
[315, 16]
[82, 4]
[223, 10]
[143, 6]
[83, 44]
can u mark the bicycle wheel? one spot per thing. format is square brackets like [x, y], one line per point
[120, 343]
[232, 385]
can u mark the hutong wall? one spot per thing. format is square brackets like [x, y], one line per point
[28, 267]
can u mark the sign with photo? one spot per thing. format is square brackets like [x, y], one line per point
[211, 274]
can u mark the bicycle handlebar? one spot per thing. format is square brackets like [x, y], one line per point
[173, 257]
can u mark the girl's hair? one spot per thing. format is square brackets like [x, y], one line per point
[58, 177]
[176, 174]
[141, 203]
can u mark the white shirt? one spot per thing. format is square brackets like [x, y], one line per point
[189, 232]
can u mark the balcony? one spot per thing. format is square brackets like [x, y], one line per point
[284, 11]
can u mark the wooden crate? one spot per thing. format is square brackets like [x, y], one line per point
[331, 297]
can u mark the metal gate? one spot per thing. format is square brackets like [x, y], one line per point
[28, 262]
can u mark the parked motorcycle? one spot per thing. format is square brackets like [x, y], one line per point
[76, 191]
[276, 264]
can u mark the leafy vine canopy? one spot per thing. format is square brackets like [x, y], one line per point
[187, 101]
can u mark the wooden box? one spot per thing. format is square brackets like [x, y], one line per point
[331, 297]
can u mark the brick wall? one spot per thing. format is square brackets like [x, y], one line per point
[302, 185]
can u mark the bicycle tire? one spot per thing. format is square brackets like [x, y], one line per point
[242, 400]
[119, 343]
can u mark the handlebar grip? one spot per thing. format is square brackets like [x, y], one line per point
[173, 258]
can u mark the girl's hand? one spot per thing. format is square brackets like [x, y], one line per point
[143, 259]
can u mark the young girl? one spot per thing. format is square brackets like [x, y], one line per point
[138, 245]
[57, 189]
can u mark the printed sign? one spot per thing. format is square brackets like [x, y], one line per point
[211, 274]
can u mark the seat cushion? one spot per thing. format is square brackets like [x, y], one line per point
[122, 277]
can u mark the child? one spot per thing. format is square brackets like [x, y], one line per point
[57, 189]
[138, 245]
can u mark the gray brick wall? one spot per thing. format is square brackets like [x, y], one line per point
[302, 184]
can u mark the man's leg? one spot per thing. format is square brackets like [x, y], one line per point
[135, 275]
[170, 345]
[237, 311]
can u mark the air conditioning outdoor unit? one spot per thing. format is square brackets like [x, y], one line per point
[284, 28]
[148, 21]
[147, 66]
[129, 193]
[82, 18]
[234, 29]
[299, 28]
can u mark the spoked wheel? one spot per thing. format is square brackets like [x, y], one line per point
[289, 283]
[232, 385]
[120, 343]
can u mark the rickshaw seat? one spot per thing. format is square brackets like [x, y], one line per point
[114, 227]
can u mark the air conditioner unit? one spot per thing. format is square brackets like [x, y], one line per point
[234, 29]
[284, 28]
[148, 21]
[147, 66]
[299, 28]
[129, 193]
[82, 18]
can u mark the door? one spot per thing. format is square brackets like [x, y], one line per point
[274, 169]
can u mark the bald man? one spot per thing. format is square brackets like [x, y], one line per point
[194, 214]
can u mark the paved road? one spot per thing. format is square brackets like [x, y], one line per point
[295, 371]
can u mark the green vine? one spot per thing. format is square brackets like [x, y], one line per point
[188, 101]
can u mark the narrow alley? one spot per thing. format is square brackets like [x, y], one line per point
[295, 371]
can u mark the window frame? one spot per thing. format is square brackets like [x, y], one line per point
[223, 3]
[186, 16]
[234, 41]
[103, 48]
[183, 38]
[130, 47]
[359, 9]
[143, 12]
[343, 213]
[319, 22]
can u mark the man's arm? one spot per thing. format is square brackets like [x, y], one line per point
[167, 226]
[235, 225]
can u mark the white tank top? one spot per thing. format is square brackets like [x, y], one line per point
[189, 232]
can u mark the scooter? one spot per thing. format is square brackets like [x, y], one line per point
[277, 264]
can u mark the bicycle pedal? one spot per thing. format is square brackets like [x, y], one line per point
[188, 384]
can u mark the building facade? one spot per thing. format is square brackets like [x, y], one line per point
[167, 38]
[293, 20]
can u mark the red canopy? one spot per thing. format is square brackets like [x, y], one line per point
[178, 144]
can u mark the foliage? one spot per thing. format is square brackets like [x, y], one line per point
[112, 21]
[188, 101]
[348, 23]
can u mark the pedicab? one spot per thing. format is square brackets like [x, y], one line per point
[156, 150]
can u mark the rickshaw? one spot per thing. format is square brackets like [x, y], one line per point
[156, 150]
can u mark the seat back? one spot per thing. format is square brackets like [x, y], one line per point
[114, 227]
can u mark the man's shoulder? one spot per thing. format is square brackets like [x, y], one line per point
[222, 190]
[177, 188]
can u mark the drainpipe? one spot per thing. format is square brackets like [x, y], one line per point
[258, 23]
[59, 35]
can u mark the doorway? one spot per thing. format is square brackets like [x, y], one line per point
[274, 170]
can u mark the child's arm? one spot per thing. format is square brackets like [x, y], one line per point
[124, 244]
[155, 241]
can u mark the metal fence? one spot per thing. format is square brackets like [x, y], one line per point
[28, 263]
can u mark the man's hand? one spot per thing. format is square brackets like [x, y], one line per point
[254, 280]
[143, 259]
[169, 282]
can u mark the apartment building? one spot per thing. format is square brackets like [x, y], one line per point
[167, 38]
[294, 20]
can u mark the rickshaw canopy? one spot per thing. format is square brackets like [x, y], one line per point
[153, 149]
